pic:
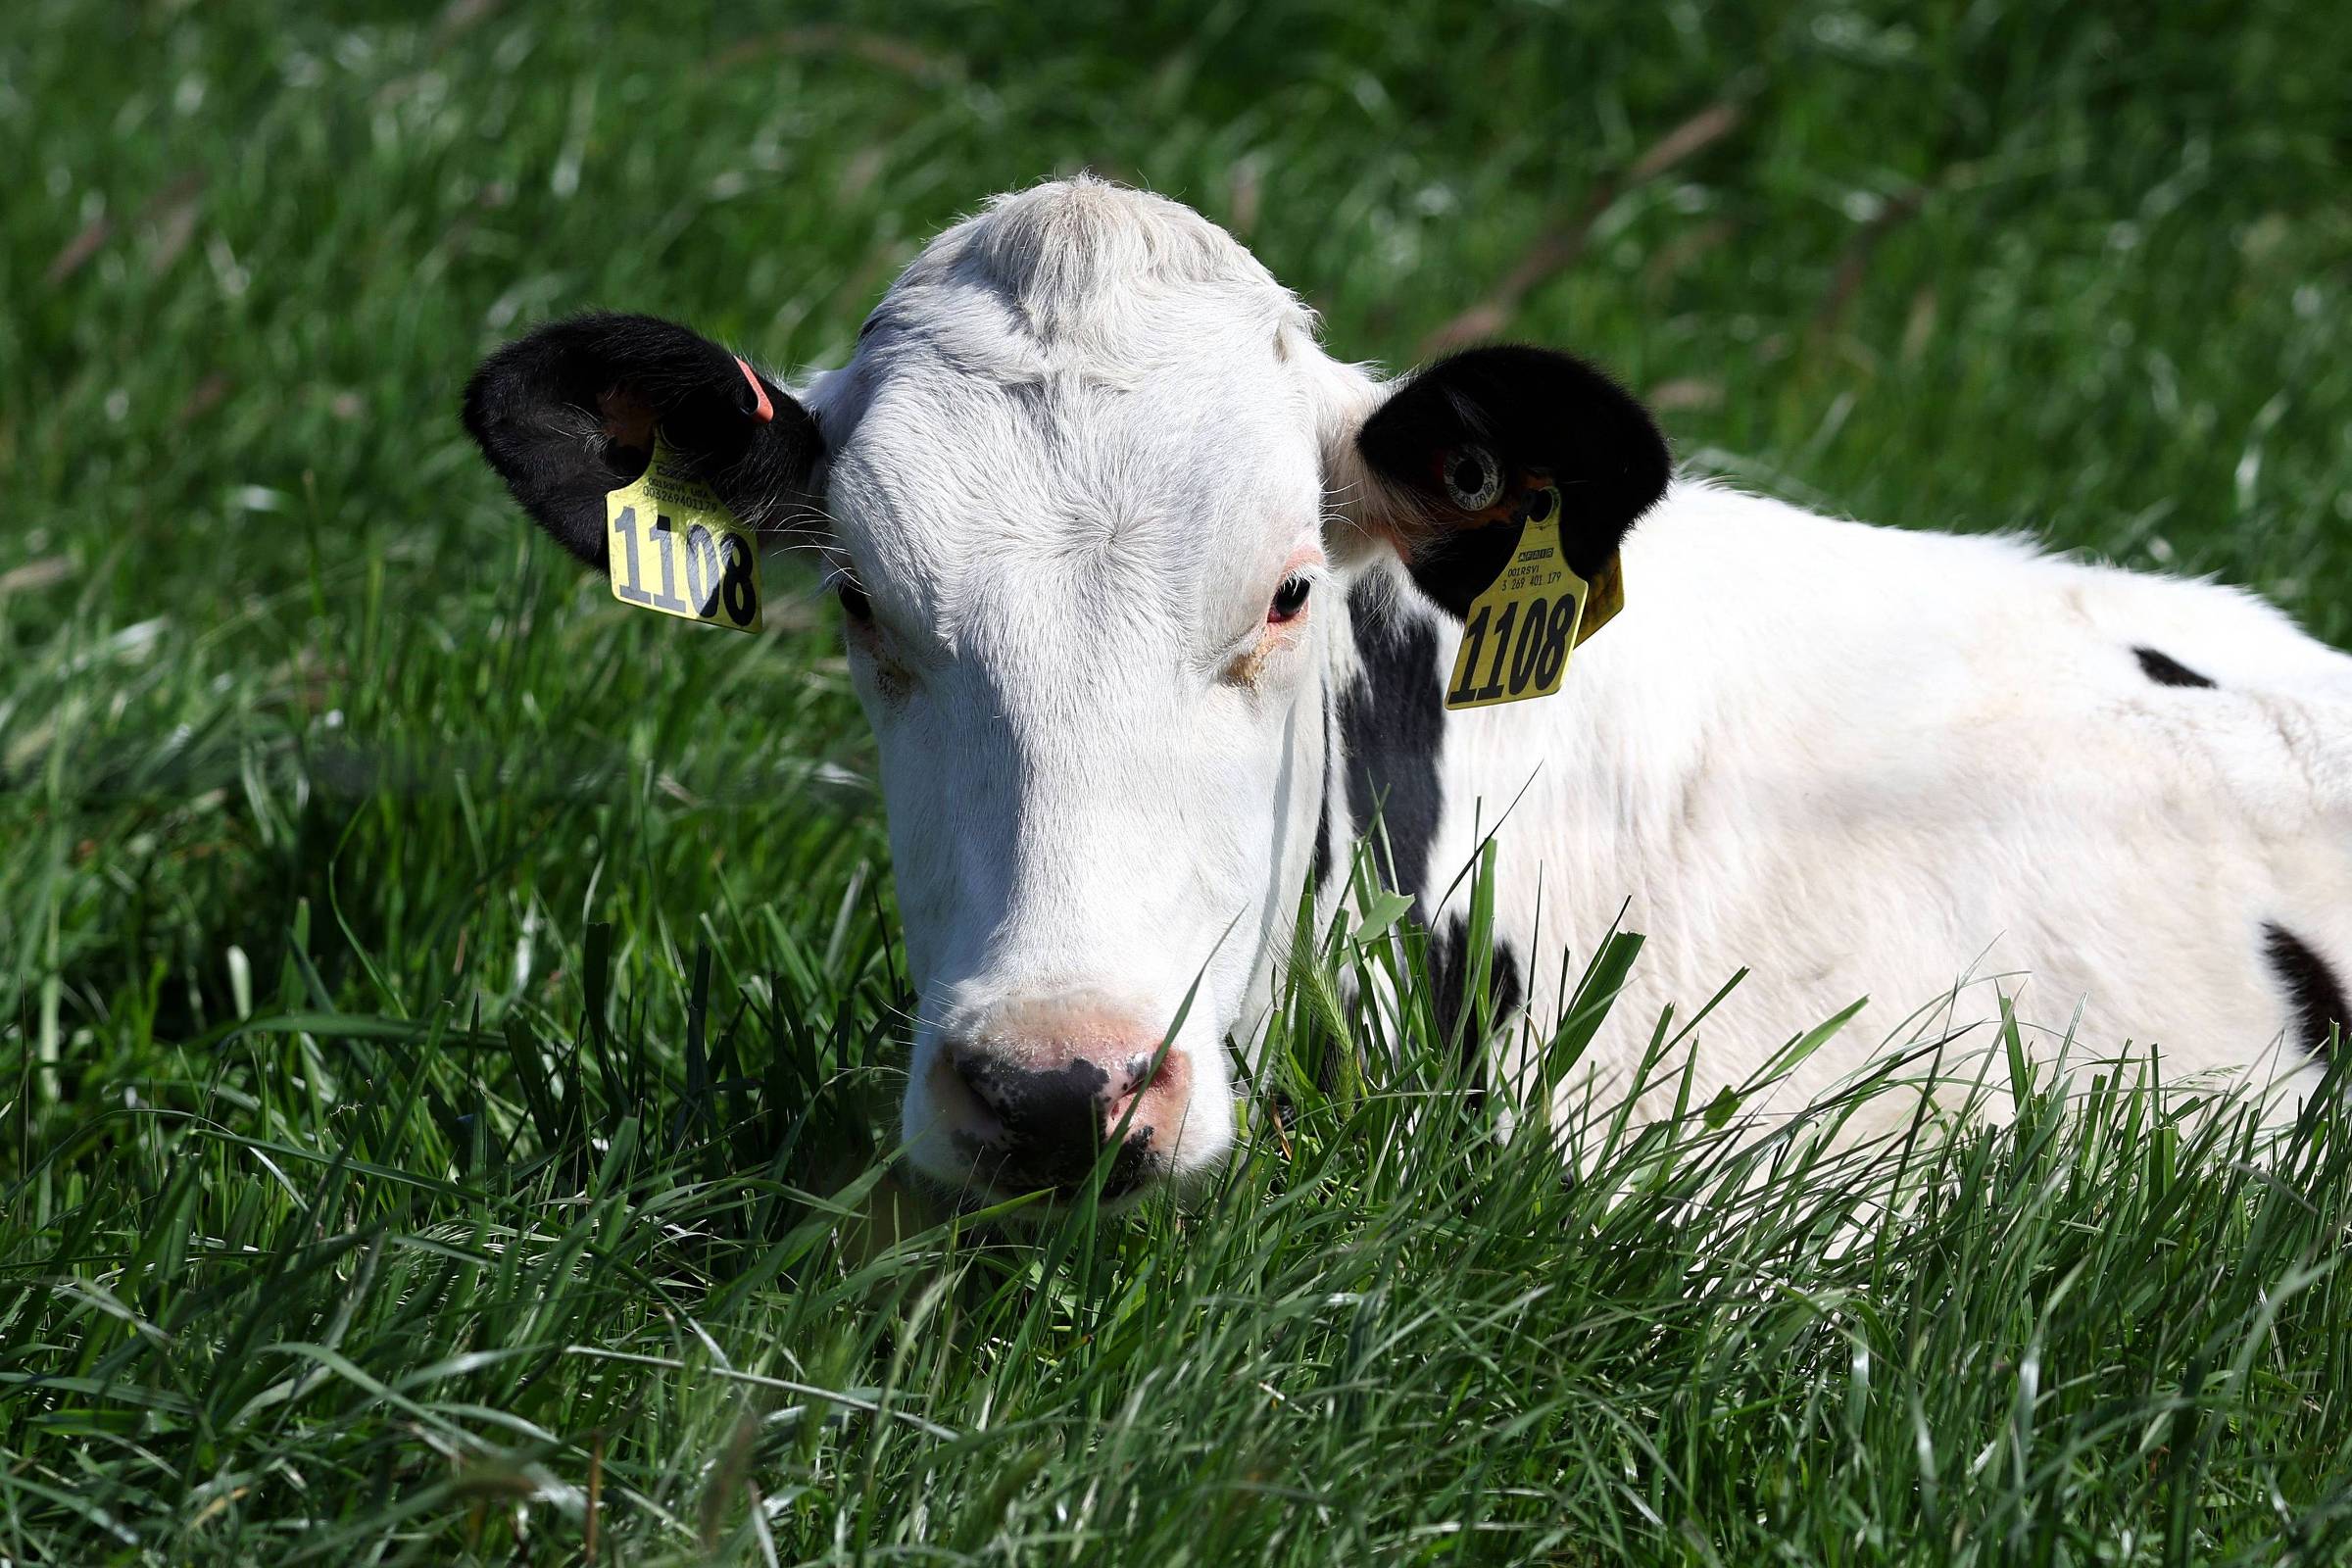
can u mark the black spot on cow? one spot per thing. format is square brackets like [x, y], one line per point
[1449, 978]
[1450, 993]
[2313, 990]
[1323, 812]
[1392, 721]
[2166, 670]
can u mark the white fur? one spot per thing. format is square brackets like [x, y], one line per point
[1926, 770]
[1081, 439]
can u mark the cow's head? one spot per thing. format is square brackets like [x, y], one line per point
[1091, 495]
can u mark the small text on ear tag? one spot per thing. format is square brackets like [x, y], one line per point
[1518, 635]
[676, 549]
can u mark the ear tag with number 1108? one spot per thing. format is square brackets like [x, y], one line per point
[1518, 635]
[676, 548]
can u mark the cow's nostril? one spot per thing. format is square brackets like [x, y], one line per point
[971, 1066]
[1032, 1093]
[1048, 1113]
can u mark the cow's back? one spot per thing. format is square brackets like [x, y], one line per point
[1926, 768]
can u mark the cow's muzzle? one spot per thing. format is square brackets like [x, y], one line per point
[1035, 1094]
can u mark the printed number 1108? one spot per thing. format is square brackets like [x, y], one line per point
[701, 573]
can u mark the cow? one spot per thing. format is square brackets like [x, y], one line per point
[1153, 606]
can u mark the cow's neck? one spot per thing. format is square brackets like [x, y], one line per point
[1386, 720]
[1384, 795]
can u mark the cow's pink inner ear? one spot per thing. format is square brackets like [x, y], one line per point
[627, 421]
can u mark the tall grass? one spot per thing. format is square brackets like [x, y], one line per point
[554, 1289]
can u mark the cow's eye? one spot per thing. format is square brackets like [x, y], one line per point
[854, 603]
[1288, 599]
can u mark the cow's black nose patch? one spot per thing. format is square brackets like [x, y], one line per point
[1053, 1104]
[1052, 1123]
[2166, 670]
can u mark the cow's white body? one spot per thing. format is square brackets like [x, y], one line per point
[1853, 761]
[1123, 555]
[1925, 768]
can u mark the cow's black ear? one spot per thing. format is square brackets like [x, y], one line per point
[568, 414]
[1461, 441]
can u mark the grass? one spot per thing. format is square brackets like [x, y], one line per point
[449, 1026]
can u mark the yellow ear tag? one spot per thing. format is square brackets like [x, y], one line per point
[676, 548]
[1519, 634]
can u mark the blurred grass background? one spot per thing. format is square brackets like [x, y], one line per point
[358, 859]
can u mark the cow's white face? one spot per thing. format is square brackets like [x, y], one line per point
[1089, 491]
[1085, 589]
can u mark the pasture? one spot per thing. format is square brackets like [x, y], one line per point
[454, 1026]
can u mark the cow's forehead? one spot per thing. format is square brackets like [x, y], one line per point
[993, 516]
[941, 462]
[948, 479]
[1080, 384]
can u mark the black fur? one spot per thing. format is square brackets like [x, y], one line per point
[538, 408]
[1540, 413]
[1392, 721]
[2312, 987]
[2166, 670]
[1449, 978]
[1323, 812]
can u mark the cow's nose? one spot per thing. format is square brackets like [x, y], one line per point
[1040, 1091]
